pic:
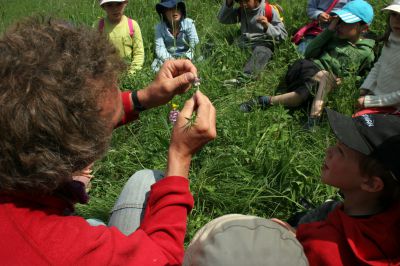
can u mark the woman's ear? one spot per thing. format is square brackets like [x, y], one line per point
[372, 184]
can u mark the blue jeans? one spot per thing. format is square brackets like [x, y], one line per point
[302, 47]
[128, 211]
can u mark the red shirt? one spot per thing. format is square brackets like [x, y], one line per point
[34, 231]
[346, 240]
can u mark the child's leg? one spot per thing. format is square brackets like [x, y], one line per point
[258, 60]
[302, 47]
[290, 99]
[129, 208]
[299, 80]
[327, 82]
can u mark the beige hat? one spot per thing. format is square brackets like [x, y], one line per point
[394, 6]
[102, 2]
[244, 240]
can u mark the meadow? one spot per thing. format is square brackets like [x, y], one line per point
[262, 163]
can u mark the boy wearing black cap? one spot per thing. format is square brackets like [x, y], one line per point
[365, 166]
[362, 230]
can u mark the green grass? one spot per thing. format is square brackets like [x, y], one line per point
[262, 163]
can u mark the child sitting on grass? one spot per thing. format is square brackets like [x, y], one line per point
[362, 230]
[258, 32]
[337, 52]
[175, 35]
[380, 92]
[123, 32]
[320, 10]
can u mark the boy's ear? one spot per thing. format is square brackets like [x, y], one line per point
[372, 184]
[364, 28]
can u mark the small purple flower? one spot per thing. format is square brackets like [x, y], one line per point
[173, 116]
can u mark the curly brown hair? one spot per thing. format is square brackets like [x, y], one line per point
[52, 76]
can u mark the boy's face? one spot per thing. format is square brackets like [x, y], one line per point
[349, 31]
[249, 4]
[395, 23]
[115, 10]
[173, 15]
[341, 168]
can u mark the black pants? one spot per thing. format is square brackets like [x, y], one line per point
[299, 78]
[258, 60]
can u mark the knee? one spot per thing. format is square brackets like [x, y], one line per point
[262, 50]
[145, 177]
[321, 75]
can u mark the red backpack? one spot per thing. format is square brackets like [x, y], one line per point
[268, 10]
[130, 24]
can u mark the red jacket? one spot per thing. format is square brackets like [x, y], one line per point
[346, 240]
[34, 231]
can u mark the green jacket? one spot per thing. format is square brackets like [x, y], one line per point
[340, 57]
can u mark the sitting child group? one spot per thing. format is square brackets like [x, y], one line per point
[333, 45]
[362, 229]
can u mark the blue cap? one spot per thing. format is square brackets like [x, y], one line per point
[164, 4]
[356, 11]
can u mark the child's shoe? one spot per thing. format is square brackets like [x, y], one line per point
[262, 102]
[241, 79]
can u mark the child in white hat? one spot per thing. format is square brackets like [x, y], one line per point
[123, 32]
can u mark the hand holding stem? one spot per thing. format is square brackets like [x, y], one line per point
[186, 141]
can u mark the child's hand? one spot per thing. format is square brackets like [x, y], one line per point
[263, 21]
[334, 23]
[324, 17]
[360, 103]
[285, 224]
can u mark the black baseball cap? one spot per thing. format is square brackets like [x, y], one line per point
[375, 135]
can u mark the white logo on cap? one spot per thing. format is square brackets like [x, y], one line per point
[368, 120]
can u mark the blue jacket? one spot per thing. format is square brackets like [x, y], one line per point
[316, 7]
[167, 46]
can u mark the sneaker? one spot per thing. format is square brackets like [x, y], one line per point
[262, 102]
[241, 79]
[312, 124]
[231, 82]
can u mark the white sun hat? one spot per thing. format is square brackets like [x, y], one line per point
[238, 240]
[102, 2]
[394, 6]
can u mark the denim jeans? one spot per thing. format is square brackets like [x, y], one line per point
[258, 60]
[128, 211]
[302, 47]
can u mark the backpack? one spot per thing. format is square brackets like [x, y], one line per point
[268, 10]
[130, 24]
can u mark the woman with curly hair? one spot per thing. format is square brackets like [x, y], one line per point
[59, 102]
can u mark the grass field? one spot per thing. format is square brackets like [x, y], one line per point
[262, 163]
